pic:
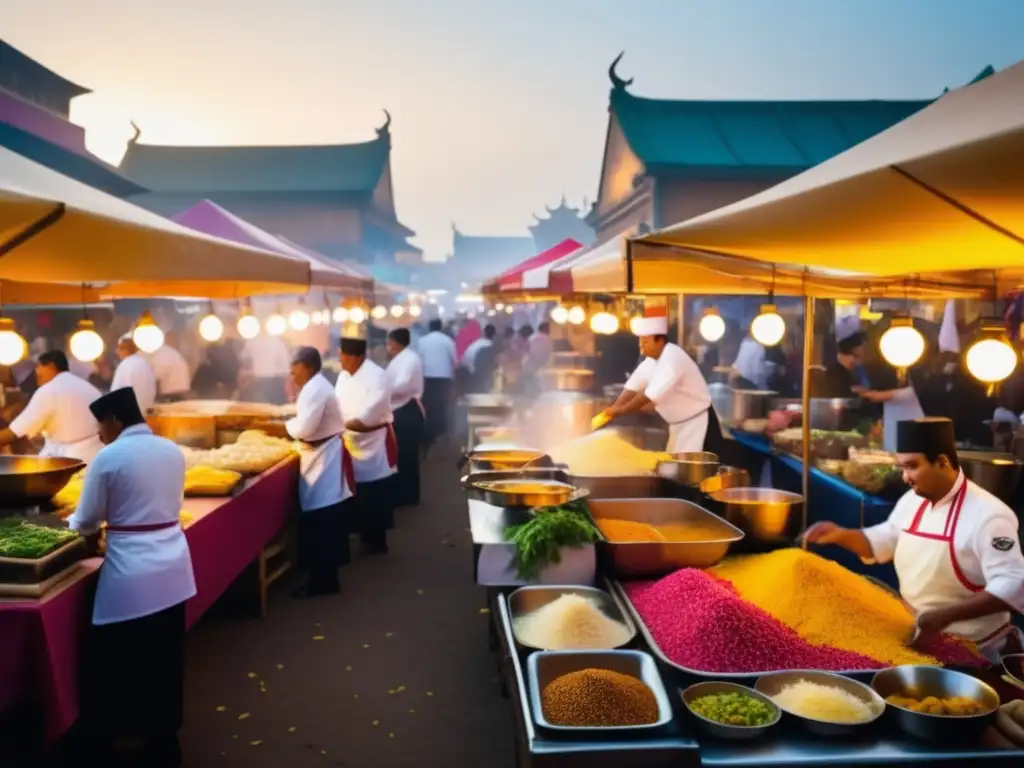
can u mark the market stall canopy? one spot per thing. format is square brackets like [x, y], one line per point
[512, 279]
[941, 191]
[54, 229]
[208, 217]
[363, 279]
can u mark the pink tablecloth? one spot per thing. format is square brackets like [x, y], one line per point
[40, 639]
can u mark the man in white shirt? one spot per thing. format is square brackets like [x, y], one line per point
[173, 375]
[58, 410]
[135, 371]
[326, 479]
[955, 547]
[364, 397]
[540, 345]
[267, 364]
[405, 376]
[135, 654]
[484, 342]
[750, 368]
[437, 351]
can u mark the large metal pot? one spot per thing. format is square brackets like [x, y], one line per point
[30, 480]
[764, 514]
[689, 469]
[828, 413]
[997, 473]
[749, 404]
[566, 379]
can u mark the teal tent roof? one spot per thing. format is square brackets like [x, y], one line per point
[325, 168]
[787, 136]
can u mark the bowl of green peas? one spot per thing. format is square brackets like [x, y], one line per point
[730, 711]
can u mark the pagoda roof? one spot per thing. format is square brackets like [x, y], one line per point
[784, 136]
[13, 59]
[497, 252]
[350, 168]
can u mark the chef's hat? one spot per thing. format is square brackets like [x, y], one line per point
[653, 323]
[949, 337]
[847, 325]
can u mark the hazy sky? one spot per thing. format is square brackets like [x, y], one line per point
[499, 106]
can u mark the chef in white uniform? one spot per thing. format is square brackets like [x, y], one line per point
[405, 377]
[676, 389]
[134, 371]
[326, 479]
[955, 547]
[136, 647]
[173, 375]
[364, 397]
[58, 410]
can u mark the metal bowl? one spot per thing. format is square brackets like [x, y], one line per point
[919, 681]
[725, 477]
[515, 458]
[27, 480]
[526, 600]
[689, 469]
[722, 730]
[764, 514]
[528, 492]
[771, 684]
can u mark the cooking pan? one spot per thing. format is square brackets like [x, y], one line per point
[29, 480]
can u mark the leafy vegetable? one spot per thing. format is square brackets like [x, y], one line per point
[538, 541]
[31, 542]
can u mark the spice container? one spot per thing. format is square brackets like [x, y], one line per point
[777, 685]
[725, 730]
[546, 667]
[527, 601]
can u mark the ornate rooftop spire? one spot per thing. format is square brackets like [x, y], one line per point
[135, 136]
[617, 82]
[386, 128]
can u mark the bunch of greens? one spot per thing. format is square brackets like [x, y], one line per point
[539, 541]
[31, 542]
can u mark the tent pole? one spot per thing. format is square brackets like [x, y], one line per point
[680, 320]
[806, 403]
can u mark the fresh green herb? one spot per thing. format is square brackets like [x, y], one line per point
[539, 541]
[733, 709]
[31, 542]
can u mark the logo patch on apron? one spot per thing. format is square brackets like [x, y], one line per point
[1002, 543]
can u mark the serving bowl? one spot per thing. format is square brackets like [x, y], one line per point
[770, 685]
[723, 730]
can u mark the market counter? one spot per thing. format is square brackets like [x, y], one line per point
[40, 639]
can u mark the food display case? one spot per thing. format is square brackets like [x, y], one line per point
[209, 424]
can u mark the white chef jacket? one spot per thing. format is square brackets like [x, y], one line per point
[405, 377]
[366, 396]
[173, 376]
[59, 410]
[986, 542]
[904, 406]
[318, 417]
[139, 479]
[677, 387]
[267, 357]
[135, 372]
[437, 351]
[750, 363]
[641, 377]
[470, 355]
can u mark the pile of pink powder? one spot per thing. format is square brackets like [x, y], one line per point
[699, 622]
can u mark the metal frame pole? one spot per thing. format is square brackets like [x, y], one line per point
[805, 397]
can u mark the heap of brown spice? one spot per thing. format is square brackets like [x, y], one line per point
[598, 698]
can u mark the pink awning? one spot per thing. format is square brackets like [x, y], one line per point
[512, 279]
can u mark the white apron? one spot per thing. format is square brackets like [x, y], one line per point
[323, 481]
[930, 577]
[688, 436]
[83, 450]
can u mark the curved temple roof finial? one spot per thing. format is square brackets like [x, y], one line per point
[387, 124]
[138, 132]
[617, 82]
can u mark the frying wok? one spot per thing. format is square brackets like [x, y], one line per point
[28, 480]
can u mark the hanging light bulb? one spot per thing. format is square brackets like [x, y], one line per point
[415, 310]
[560, 315]
[509, 309]
[379, 312]
[577, 315]
[248, 325]
[357, 315]
[147, 334]
[768, 327]
[632, 324]
[276, 324]
[397, 310]
[12, 346]
[712, 326]
[315, 318]
[991, 359]
[211, 328]
[604, 323]
[902, 344]
[340, 315]
[85, 344]
[491, 313]
[298, 319]
[499, 306]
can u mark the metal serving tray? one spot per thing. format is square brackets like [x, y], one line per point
[526, 600]
[545, 666]
[684, 676]
[656, 558]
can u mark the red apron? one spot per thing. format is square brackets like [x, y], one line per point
[391, 447]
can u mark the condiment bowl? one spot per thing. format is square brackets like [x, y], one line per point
[920, 681]
[526, 600]
[770, 685]
[723, 730]
[545, 666]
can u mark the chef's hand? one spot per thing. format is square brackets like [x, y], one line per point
[932, 622]
[872, 396]
[824, 532]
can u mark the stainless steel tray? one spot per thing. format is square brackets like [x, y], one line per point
[656, 558]
[545, 666]
[684, 676]
[529, 599]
